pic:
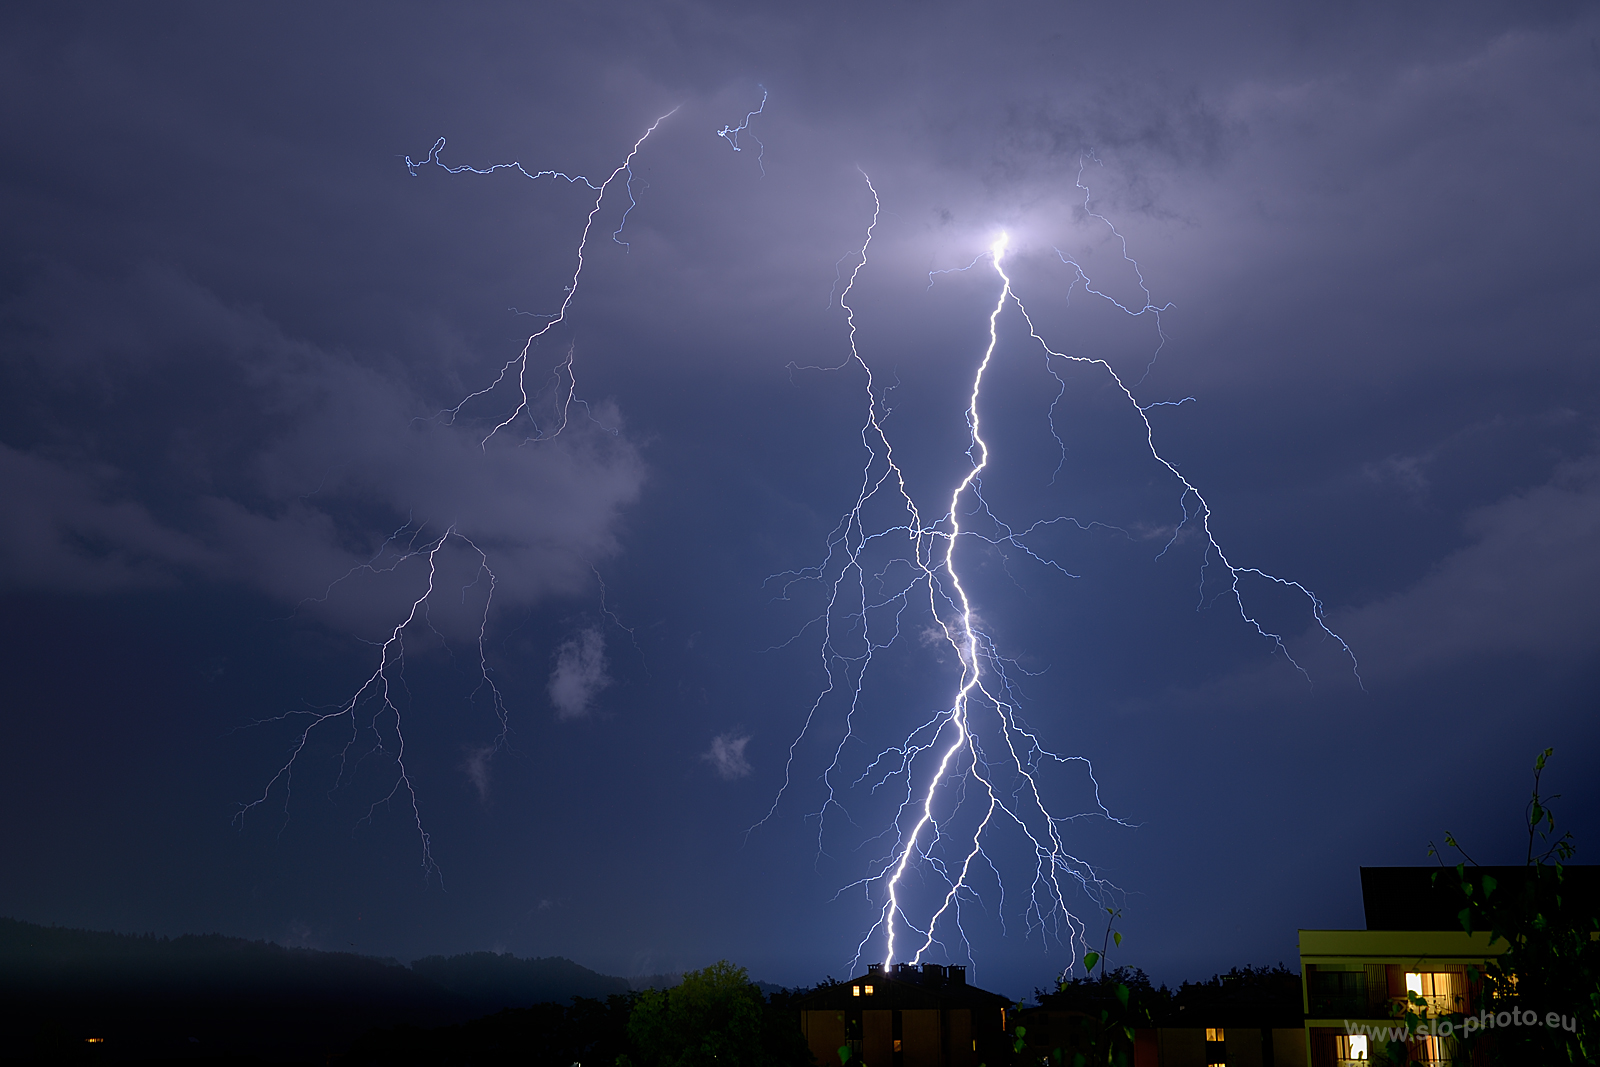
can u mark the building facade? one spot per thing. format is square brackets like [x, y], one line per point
[906, 1016]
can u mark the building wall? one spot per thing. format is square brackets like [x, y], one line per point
[961, 1043]
[1243, 1045]
[1146, 1049]
[825, 1033]
[1181, 1047]
[1384, 957]
[1289, 1047]
[877, 1037]
[922, 1045]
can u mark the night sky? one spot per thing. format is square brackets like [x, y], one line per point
[230, 316]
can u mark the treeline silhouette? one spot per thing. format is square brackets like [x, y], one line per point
[226, 999]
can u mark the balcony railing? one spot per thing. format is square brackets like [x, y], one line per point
[1343, 1006]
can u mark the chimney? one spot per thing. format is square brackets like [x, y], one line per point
[874, 968]
[932, 974]
[955, 975]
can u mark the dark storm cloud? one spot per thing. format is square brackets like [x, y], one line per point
[229, 315]
[195, 439]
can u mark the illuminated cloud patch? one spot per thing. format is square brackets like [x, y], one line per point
[580, 673]
[727, 756]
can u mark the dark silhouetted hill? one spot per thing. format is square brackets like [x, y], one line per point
[493, 982]
[215, 997]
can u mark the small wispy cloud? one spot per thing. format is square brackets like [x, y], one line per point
[580, 673]
[727, 755]
[477, 768]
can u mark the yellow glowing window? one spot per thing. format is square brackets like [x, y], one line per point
[1214, 1033]
[95, 1040]
[855, 991]
[1414, 983]
[1350, 1048]
[867, 990]
[897, 1045]
[974, 1044]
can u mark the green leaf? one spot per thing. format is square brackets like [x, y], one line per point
[1090, 959]
[844, 1055]
[1489, 885]
[1122, 994]
[1116, 938]
[1465, 915]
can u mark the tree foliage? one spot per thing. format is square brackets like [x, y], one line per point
[715, 1016]
[1551, 961]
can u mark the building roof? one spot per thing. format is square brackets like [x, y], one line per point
[904, 986]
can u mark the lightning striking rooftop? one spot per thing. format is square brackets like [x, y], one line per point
[968, 776]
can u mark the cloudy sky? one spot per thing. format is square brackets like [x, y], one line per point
[238, 332]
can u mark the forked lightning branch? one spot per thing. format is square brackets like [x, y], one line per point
[965, 778]
[968, 775]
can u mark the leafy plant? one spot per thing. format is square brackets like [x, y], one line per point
[1551, 961]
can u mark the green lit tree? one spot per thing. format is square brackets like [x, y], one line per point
[714, 1018]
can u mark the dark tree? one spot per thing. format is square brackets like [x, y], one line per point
[1551, 937]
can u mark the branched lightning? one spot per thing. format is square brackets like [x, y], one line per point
[971, 770]
[731, 133]
[520, 360]
[372, 709]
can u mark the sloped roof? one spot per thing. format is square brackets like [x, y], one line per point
[900, 989]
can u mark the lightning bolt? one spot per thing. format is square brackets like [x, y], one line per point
[373, 708]
[731, 133]
[516, 368]
[971, 770]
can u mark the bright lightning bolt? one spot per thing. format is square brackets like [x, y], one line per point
[972, 769]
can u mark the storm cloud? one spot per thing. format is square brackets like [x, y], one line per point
[236, 329]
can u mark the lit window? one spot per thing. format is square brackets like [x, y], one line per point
[867, 990]
[1414, 983]
[1214, 1033]
[855, 991]
[95, 1040]
[1350, 1048]
[897, 1044]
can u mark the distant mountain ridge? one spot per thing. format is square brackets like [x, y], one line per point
[162, 996]
[485, 977]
